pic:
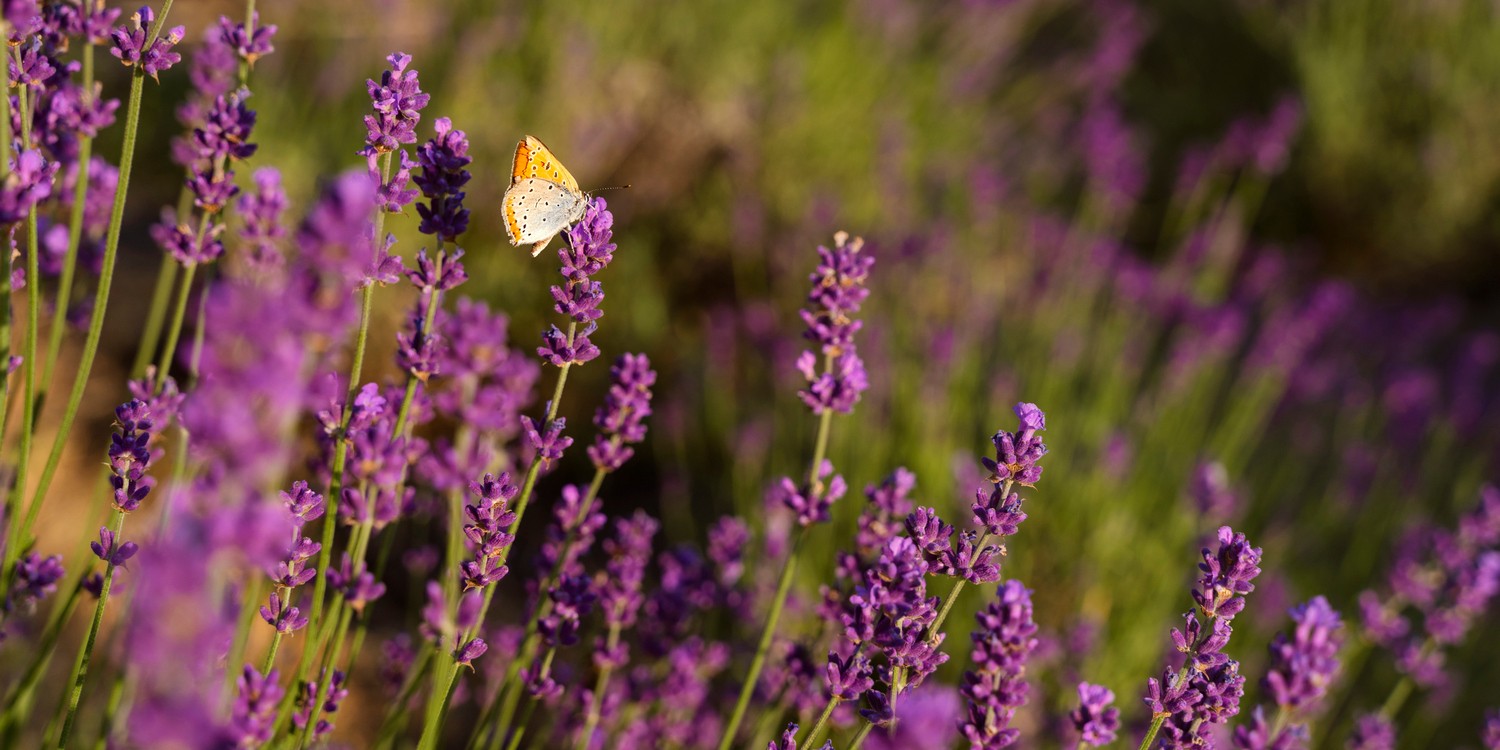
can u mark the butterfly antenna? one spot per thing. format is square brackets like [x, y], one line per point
[616, 187]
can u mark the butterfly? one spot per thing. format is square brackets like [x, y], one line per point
[543, 198]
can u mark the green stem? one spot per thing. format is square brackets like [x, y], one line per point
[395, 718]
[596, 703]
[174, 331]
[75, 230]
[520, 730]
[20, 695]
[81, 667]
[101, 295]
[817, 730]
[783, 586]
[859, 739]
[325, 678]
[156, 315]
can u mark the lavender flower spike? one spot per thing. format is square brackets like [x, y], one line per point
[622, 418]
[838, 290]
[130, 44]
[996, 686]
[1096, 718]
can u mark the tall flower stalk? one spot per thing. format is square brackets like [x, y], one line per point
[838, 289]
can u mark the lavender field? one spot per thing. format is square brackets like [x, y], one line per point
[1037, 374]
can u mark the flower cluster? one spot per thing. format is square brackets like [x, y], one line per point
[887, 616]
[252, 722]
[1208, 689]
[1449, 579]
[589, 249]
[130, 455]
[444, 161]
[303, 505]
[397, 100]
[1301, 670]
[996, 686]
[142, 45]
[1096, 719]
[838, 289]
[622, 418]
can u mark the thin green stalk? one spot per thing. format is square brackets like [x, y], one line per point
[174, 331]
[438, 702]
[783, 587]
[101, 295]
[530, 642]
[596, 703]
[156, 315]
[817, 730]
[81, 667]
[325, 678]
[520, 730]
[859, 739]
[12, 502]
[395, 719]
[75, 230]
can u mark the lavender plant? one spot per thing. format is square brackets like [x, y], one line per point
[312, 484]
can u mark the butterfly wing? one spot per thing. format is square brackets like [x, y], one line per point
[536, 210]
[535, 161]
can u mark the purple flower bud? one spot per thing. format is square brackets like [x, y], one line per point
[548, 444]
[253, 720]
[812, 504]
[467, 653]
[996, 686]
[397, 99]
[111, 553]
[303, 503]
[1372, 732]
[282, 615]
[847, 678]
[622, 418]
[130, 44]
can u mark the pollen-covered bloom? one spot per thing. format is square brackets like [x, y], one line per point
[622, 419]
[835, 374]
[996, 686]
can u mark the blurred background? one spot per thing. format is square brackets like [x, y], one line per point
[1244, 254]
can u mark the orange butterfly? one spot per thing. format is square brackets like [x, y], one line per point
[543, 198]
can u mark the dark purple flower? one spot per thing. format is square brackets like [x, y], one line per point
[487, 530]
[443, 160]
[812, 504]
[33, 70]
[251, 41]
[308, 703]
[622, 418]
[619, 584]
[1372, 732]
[1096, 718]
[789, 740]
[996, 686]
[572, 600]
[253, 720]
[1490, 737]
[847, 678]
[1261, 735]
[293, 571]
[130, 455]
[558, 349]
[109, 551]
[36, 577]
[131, 44]
[727, 539]
[188, 244]
[471, 650]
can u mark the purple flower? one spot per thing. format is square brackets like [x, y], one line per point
[1211, 692]
[253, 720]
[251, 41]
[619, 584]
[1210, 490]
[282, 615]
[397, 100]
[1017, 453]
[28, 183]
[1491, 735]
[558, 349]
[888, 506]
[131, 44]
[487, 530]
[443, 160]
[1096, 718]
[307, 703]
[847, 678]
[303, 503]
[130, 455]
[262, 211]
[622, 418]
[356, 584]
[36, 577]
[572, 600]
[111, 553]
[1302, 667]
[589, 249]
[471, 650]
[789, 740]
[812, 504]
[550, 443]
[996, 686]
[1372, 732]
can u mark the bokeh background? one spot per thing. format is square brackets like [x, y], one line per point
[1244, 254]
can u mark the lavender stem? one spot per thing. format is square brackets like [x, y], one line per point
[80, 671]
